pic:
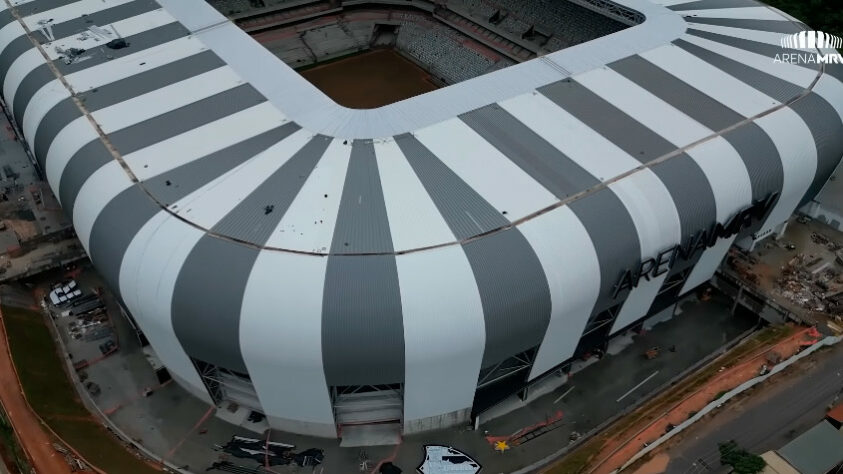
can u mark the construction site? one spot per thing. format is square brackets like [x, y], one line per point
[796, 277]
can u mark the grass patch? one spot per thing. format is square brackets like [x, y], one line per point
[10, 449]
[53, 397]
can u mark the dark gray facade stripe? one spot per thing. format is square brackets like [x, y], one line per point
[465, 211]
[177, 183]
[30, 84]
[769, 50]
[761, 157]
[23, 43]
[820, 116]
[362, 225]
[113, 231]
[42, 74]
[130, 139]
[362, 320]
[615, 240]
[6, 17]
[12, 52]
[252, 220]
[101, 17]
[680, 178]
[122, 218]
[207, 298]
[505, 266]
[219, 270]
[514, 293]
[137, 43]
[538, 158]
[773, 26]
[754, 146]
[715, 4]
[110, 94]
[827, 129]
[38, 6]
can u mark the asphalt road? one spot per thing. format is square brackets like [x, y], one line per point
[770, 416]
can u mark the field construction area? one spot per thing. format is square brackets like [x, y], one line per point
[369, 80]
[53, 398]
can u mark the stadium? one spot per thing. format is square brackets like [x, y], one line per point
[401, 212]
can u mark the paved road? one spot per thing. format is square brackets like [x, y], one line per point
[778, 412]
[36, 442]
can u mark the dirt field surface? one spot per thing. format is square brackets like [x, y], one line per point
[35, 440]
[370, 80]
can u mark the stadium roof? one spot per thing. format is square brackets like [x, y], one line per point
[209, 182]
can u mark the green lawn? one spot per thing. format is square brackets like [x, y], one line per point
[52, 396]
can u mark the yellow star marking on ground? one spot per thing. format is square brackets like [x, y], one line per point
[501, 446]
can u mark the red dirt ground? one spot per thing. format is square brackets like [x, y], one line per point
[35, 441]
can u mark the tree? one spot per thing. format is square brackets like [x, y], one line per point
[742, 462]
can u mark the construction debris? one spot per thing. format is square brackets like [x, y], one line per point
[813, 282]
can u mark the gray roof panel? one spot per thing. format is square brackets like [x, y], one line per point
[256, 216]
[137, 42]
[820, 116]
[42, 74]
[362, 322]
[362, 225]
[110, 94]
[101, 17]
[644, 145]
[754, 146]
[464, 210]
[538, 158]
[170, 124]
[169, 187]
[35, 6]
[773, 26]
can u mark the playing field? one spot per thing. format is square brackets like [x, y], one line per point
[371, 79]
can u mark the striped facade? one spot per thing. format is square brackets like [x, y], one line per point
[249, 223]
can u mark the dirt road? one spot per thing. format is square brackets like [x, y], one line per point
[36, 442]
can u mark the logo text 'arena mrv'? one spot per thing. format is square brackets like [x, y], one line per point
[812, 42]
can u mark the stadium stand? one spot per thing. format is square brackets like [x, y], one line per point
[442, 51]
[568, 23]
[448, 54]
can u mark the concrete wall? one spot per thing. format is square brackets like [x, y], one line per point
[448, 420]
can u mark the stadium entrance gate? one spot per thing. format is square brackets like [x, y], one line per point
[374, 406]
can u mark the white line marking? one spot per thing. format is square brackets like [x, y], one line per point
[563, 395]
[637, 386]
